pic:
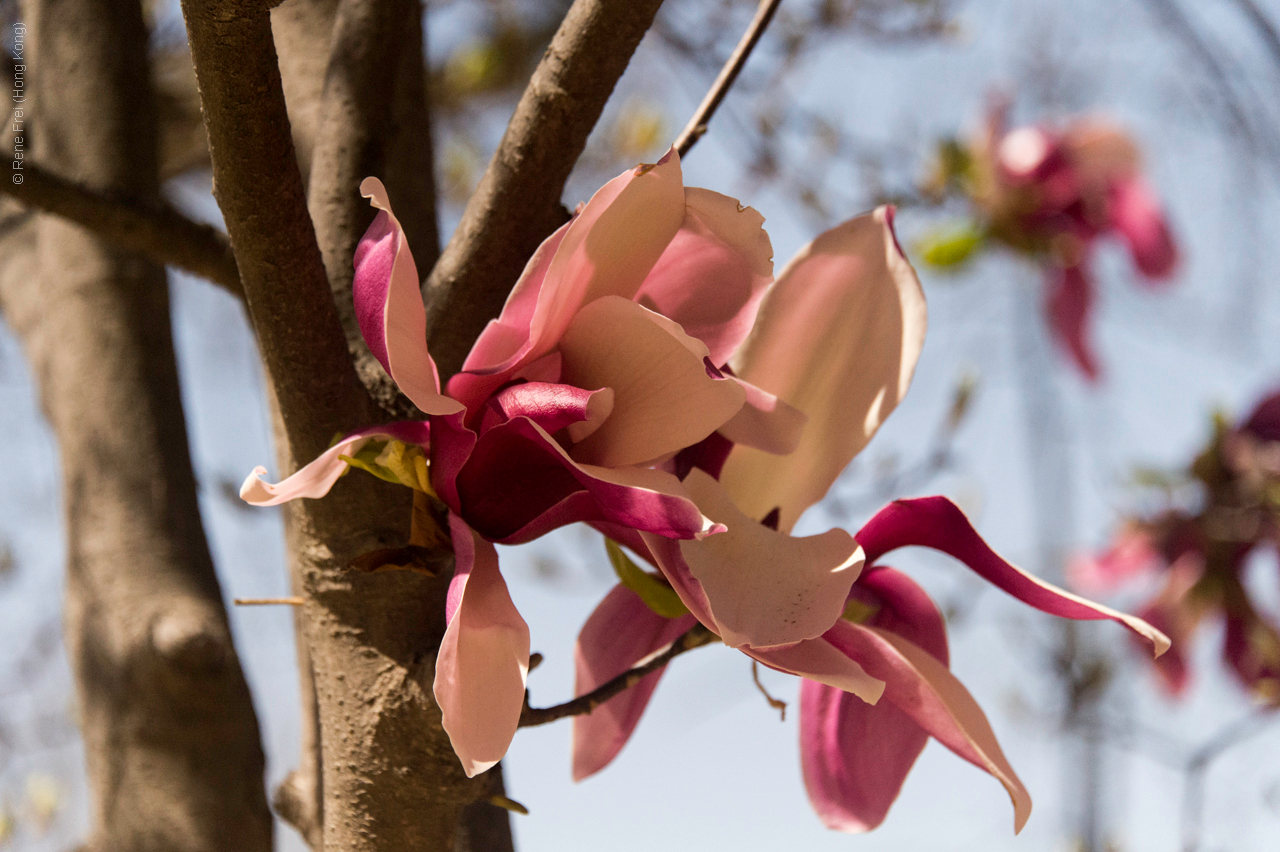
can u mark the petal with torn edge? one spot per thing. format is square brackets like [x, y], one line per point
[317, 477]
[837, 338]
[389, 306]
[665, 399]
[484, 656]
[620, 633]
[938, 523]
[714, 272]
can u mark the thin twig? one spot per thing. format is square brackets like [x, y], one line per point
[269, 601]
[776, 703]
[1264, 25]
[157, 231]
[695, 637]
[697, 125]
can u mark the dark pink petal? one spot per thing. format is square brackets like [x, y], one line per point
[518, 484]
[1136, 214]
[713, 273]
[856, 756]
[764, 588]
[926, 692]
[938, 523]
[1069, 301]
[708, 455]
[1264, 421]
[837, 338]
[484, 656]
[318, 476]
[619, 633]
[389, 307]
[551, 406]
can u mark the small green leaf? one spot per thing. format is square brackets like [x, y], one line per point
[951, 245]
[859, 612]
[651, 588]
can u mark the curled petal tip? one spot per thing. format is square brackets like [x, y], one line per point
[373, 189]
[252, 490]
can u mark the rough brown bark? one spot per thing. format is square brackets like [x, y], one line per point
[147, 226]
[374, 122]
[390, 779]
[517, 204]
[171, 740]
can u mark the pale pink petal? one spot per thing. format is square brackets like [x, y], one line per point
[765, 423]
[1136, 214]
[389, 306]
[1101, 153]
[856, 756]
[317, 477]
[837, 338]
[938, 523]
[483, 658]
[501, 341]
[714, 272]
[664, 397]
[607, 249]
[923, 689]
[818, 660]
[620, 633]
[765, 588]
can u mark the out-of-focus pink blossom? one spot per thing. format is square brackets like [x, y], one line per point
[1201, 555]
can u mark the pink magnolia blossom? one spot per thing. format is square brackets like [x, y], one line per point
[838, 337]
[602, 389]
[1200, 556]
[1052, 193]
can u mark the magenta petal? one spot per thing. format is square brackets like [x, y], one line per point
[855, 756]
[1069, 301]
[714, 272]
[1136, 214]
[484, 656]
[938, 523]
[551, 406]
[922, 688]
[518, 484]
[389, 307]
[619, 633]
[1264, 420]
[317, 477]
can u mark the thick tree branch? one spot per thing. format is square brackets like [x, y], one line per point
[517, 204]
[695, 637]
[151, 228]
[697, 126]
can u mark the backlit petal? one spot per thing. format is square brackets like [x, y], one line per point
[837, 338]
[1069, 302]
[714, 272]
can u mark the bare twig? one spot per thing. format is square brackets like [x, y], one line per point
[695, 637]
[1264, 25]
[697, 125]
[295, 601]
[517, 204]
[152, 229]
[776, 703]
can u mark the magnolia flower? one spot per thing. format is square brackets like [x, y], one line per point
[1200, 556]
[1051, 193]
[597, 389]
[838, 337]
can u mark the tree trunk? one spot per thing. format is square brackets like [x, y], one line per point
[171, 740]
